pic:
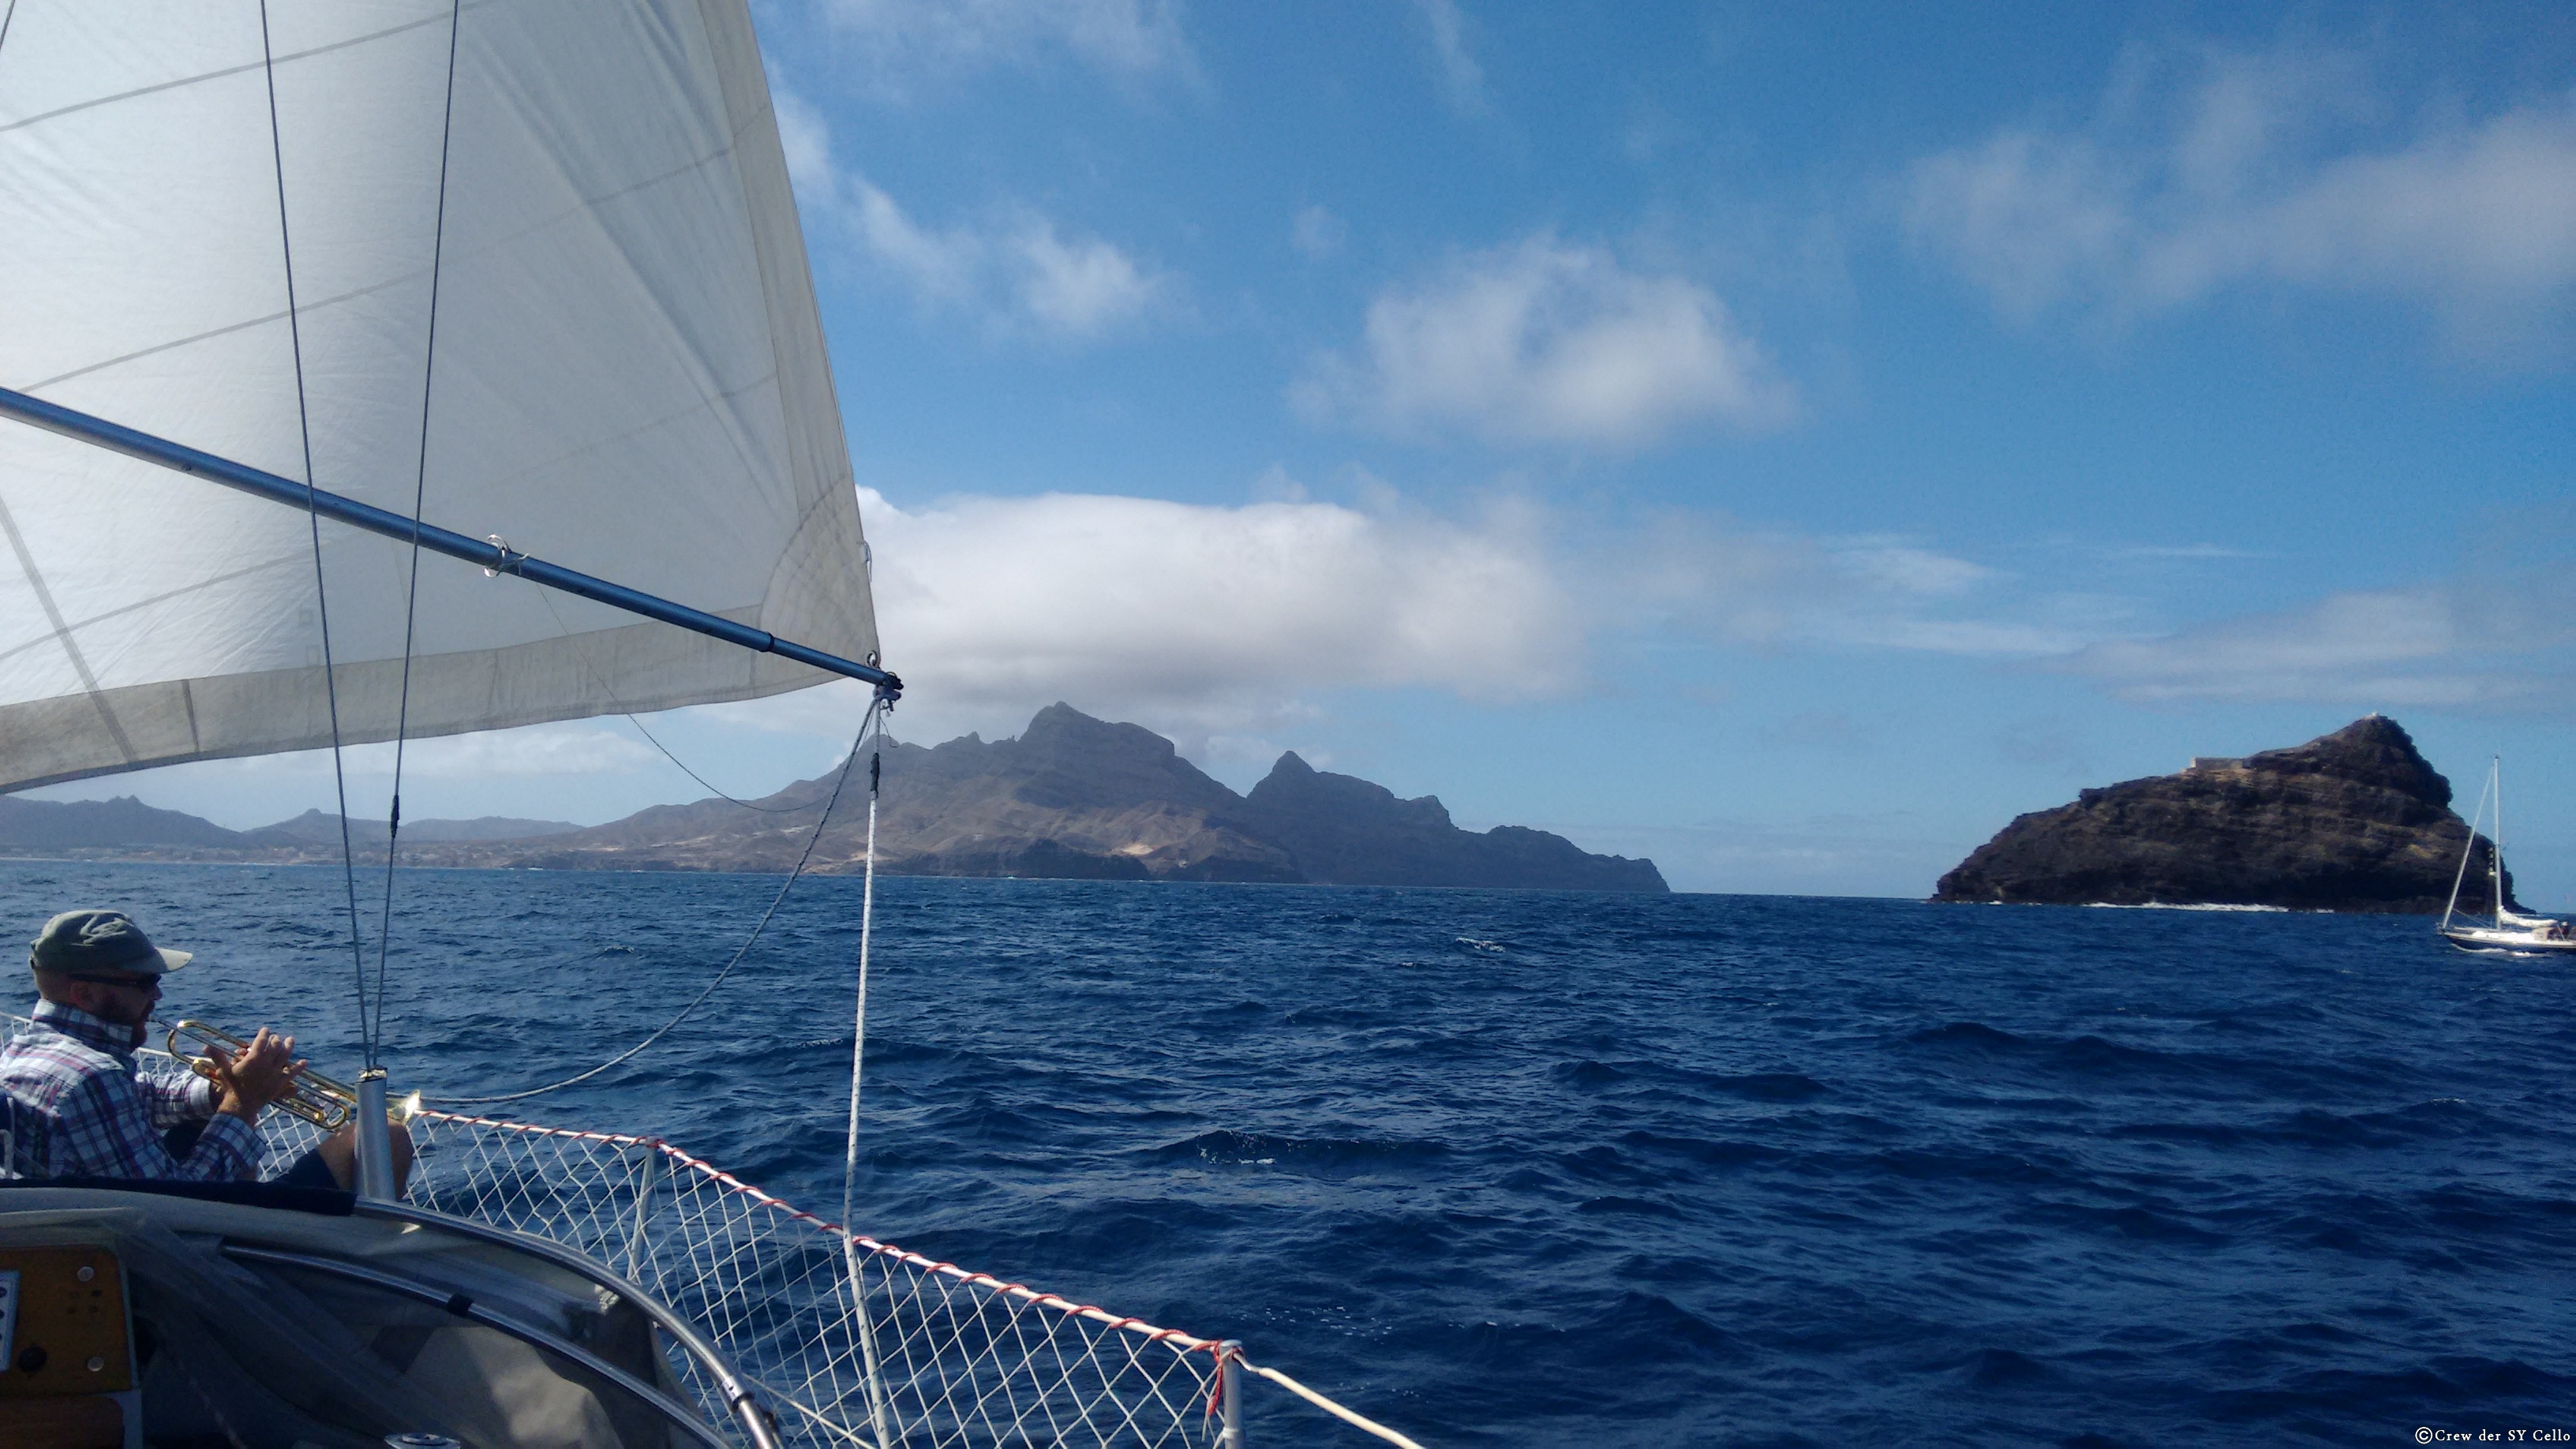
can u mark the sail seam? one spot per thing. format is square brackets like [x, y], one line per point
[63, 633]
[139, 605]
[785, 676]
[211, 333]
[265, 63]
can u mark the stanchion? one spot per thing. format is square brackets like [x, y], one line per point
[375, 1142]
[1229, 1358]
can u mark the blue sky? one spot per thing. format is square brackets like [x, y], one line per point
[1784, 442]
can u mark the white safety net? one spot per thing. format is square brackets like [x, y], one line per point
[941, 1356]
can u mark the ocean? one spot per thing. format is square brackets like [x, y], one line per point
[1539, 1169]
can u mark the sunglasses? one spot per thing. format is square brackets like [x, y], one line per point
[130, 983]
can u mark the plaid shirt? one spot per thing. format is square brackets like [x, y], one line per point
[99, 1117]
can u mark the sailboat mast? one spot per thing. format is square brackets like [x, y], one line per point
[2495, 848]
[495, 556]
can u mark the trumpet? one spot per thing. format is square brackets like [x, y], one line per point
[317, 1099]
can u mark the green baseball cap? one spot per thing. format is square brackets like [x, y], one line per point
[85, 943]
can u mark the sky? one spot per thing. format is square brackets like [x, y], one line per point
[1786, 442]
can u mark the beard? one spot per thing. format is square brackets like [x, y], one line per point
[138, 1027]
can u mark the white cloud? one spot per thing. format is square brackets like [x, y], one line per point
[1462, 81]
[903, 39]
[1079, 288]
[1317, 232]
[2503, 642]
[1547, 342]
[1775, 590]
[1220, 625]
[1019, 273]
[2231, 170]
[1226, 627]
[806, 138]
[1183, 609]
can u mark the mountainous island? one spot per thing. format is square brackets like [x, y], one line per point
[2352, 821]
[1072, 797]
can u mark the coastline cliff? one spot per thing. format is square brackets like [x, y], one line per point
[1072, 798]
[1077, 798]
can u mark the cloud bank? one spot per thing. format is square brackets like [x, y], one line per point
[1206, 620]
[1547, 342]
[1209, 620]
[2221, 169]
[2503, 642]
[1193, 610]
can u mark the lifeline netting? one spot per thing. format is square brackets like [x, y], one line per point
[959, 1358]
[942, 1356]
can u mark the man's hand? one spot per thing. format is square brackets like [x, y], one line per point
[259, 1074]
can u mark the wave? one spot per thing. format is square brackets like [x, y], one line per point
[1970, 1033]
[2186, 906]
[1229, 1148]
[2002, 1368]
[1768, 1172]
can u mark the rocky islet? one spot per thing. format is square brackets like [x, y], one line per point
[2357, 820]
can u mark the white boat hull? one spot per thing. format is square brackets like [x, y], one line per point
[2520, 940]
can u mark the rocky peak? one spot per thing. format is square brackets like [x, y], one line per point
[2373, 750]
[1293, 786]
[1061, 729]
[1066, 759]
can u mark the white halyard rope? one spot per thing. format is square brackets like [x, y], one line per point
[1351, 1417]
[858, 1059]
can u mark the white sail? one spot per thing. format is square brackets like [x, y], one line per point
[627, 377]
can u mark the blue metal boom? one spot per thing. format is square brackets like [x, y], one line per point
[498, 557]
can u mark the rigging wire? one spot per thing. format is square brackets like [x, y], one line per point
[649, 737]
[419, 497]
[313, 514]
[656, 743]
[876, 711]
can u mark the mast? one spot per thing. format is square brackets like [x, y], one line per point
[493, 555]
[2495, 848]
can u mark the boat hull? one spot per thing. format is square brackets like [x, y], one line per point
[2519, 941]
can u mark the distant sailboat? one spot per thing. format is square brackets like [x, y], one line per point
[2509, 929]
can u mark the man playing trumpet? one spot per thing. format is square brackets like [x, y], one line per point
[100, 977]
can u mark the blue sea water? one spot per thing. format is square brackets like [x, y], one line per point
[1538, 1169]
